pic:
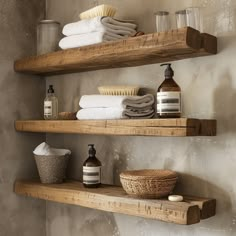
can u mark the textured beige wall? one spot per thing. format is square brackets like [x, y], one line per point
[20, 97]
[207, 164]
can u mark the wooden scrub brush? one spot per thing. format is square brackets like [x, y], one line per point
[119, 90]
[101, 10]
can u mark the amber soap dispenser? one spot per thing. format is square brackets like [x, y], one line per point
[169, 96]
[92, 169]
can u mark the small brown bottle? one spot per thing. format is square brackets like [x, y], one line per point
[169, 96]
[92, 170]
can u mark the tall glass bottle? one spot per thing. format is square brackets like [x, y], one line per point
[169, 96]
[92, 169]
[50, 105]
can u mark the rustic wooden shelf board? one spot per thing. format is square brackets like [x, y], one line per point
[147, 49]
[143, 127]
[114, 199]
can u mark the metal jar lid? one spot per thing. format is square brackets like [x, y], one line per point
[181, 12]
[161, 13]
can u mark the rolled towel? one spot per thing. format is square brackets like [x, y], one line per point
[81, 40]
[111, 113]
[99, 24]
[95, 101]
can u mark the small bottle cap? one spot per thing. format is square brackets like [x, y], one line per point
[92, 150]
[50, 90]
[168, 72]
[175, 198]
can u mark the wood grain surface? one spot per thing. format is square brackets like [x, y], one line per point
[114, 199]
[152, 48]
[144, 127]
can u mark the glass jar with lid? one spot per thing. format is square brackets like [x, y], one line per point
[48, 36]
[162, 21]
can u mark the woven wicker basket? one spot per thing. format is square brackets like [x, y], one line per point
[148, 183]
[52, 169]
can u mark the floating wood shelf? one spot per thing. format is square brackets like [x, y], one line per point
[144, 127]
[147, 49]
[114, 199]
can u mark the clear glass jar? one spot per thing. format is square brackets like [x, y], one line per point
[191, 17]
[48, 36]
[162, 21]
[181, 19]
[194, 18]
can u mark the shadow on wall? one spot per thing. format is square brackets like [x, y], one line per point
[194, 186]
[114, 162]
[119, 165]
[224, 104]
[103, 224]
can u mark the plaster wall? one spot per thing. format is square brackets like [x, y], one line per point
[20, 98]
[207, 164]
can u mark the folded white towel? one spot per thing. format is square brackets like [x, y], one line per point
[99, 24]
[111, 113]
[44, 149]
[81, 40]
[89, 101]
[100, 113]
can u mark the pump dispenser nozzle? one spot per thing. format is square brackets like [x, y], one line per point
[168, 72]
[50, 90]
[92, 150]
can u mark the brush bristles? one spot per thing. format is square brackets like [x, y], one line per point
[101, 10]
[119, 90]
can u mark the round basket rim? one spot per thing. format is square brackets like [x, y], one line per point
[51, 156]
[158, 174]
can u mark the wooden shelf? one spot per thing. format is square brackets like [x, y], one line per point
[114, 199]
[144, 127]
[147, 49]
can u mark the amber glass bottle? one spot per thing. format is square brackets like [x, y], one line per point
[92, 170]
[169, 96]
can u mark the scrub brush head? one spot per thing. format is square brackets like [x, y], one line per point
[101, 10]
[119, 90]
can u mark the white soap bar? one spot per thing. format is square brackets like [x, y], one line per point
[175, 198]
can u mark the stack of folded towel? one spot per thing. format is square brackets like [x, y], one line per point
[95, 30]
[95, 107]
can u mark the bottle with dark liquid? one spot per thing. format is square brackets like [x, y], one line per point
[169, 96]
[92, 170]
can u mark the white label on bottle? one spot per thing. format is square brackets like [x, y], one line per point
[91, 175]
[47, 108]
[168, 102]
